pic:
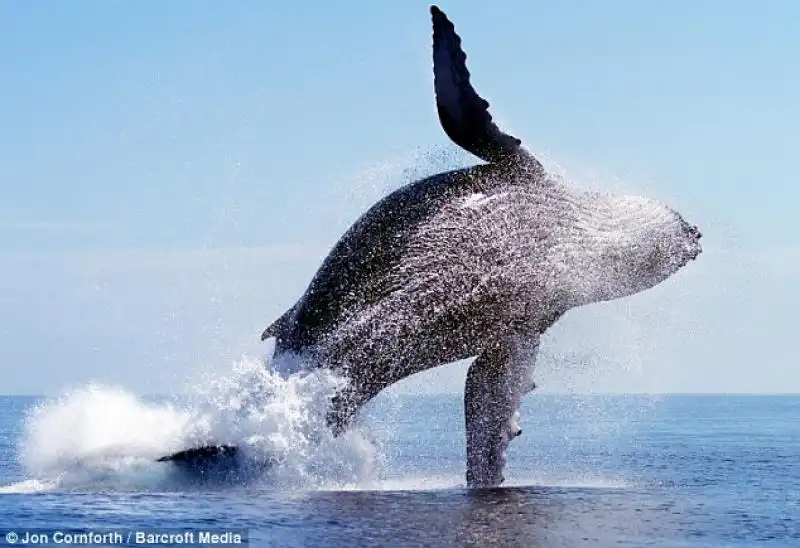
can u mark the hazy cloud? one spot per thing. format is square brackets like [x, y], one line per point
[52, 226]
[151, 319]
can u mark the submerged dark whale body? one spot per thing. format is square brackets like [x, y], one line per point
[477, 262]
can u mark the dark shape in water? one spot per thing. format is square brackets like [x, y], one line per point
[473, 263]
[201, 457]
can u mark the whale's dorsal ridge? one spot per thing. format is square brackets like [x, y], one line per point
[463, 113]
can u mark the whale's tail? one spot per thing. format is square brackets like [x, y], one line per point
[463, 113]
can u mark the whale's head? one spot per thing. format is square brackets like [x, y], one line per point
[638, 244]
[667, 248]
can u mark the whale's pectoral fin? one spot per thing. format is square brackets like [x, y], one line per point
[496, 382]
[463, 113]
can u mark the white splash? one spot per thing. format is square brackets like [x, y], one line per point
[101, 437]
[100, 428]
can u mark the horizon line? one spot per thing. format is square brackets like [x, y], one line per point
[403, 393]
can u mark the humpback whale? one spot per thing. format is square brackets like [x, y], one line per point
[473, 263]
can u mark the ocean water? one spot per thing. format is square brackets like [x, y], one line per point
[587, 470]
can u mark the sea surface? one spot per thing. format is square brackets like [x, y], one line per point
[588, 470]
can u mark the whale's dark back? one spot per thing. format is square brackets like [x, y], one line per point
[356, 272]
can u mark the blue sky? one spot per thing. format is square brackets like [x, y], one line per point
[171, 174]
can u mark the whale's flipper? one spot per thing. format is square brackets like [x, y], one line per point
[463, 113]
[496, 382]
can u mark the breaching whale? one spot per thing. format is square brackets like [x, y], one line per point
[473, 263]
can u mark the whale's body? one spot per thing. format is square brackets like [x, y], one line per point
[446, 267]
[477, 262]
